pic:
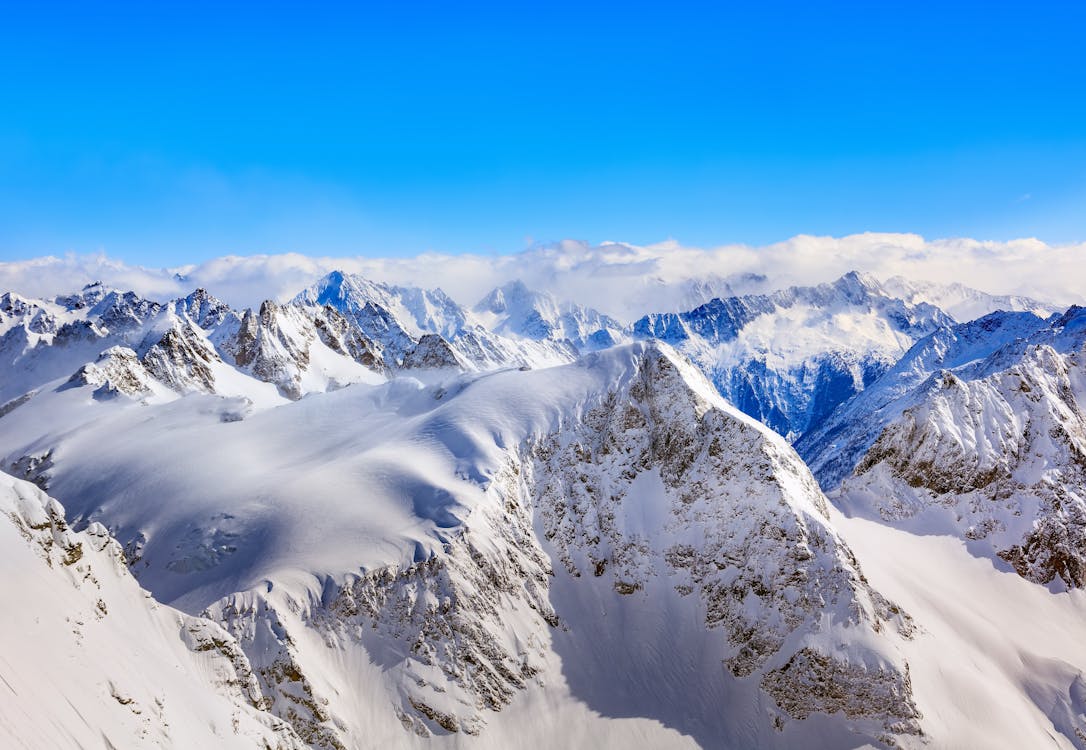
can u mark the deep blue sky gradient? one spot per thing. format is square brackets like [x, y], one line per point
[165, 133]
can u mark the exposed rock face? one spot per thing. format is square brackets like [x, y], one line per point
[204, 636]
[340, 336]
[397, 317]
[812, 683]
[43, 340]
[181, 359]
[290, 693]
[837, 446]
[994, 451]
[740, 523]
[469, 627]
[433, 353]
[206, 310]
[117, 370]
[182, 345]
[276, 344]
[654, 483]
[173, 354]
[263, 349]
[376, 309]
[40, 520]
[16, 310]
[89, 296]
[127, 311]
[342, 330]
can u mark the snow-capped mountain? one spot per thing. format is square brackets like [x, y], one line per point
[43, 340]
[964, 303]
[835, 447]
[398, 317]
[207, 311]
[699, 291]
[195, 343]
[385, 519]
[302, 349]
[395, 316]
[515, 310]
[990, 447]
[343, 329]
[789, 358]
[474, 532]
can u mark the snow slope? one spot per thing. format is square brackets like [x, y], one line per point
[998, 662]
[993, 451]
[90, 659]
[608, 538]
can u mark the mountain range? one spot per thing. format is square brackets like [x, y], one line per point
[366, 515]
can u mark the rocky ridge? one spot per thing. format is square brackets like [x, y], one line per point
[650, 483]
[993, 451]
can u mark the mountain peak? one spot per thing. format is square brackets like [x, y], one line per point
[433, 353]
[961, 302]
[205, 309]
[513, 308]
[1075, 314]
[90, 295]
[513, 293]
[342, 291]
[493, 302]
[857, 285]
[860, 277]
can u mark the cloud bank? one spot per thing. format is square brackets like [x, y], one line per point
[621, 279]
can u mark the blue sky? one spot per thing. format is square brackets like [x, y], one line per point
[166, 133]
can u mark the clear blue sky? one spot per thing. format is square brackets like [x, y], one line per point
[164, 133]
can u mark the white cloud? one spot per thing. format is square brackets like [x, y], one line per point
[625, 280]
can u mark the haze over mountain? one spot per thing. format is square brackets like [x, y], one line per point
[623, 280]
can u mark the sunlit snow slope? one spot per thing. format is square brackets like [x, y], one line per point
[89, 659]
[406, 560]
